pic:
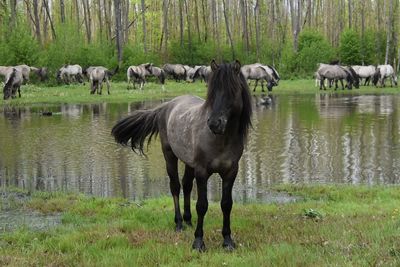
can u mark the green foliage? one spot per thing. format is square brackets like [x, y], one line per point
[18, 47]
[313, 49]
[350, 48]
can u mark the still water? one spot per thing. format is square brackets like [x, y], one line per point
[296, 139]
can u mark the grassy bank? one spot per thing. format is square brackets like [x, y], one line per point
[331, 225]
[40, 94]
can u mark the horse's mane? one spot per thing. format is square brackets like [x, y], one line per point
[11, 78]
[227, 78]
[276, 76]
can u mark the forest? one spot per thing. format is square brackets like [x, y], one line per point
[292, 35]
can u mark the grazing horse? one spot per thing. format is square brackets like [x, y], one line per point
[207, 135]
[337, 73]
[365, 72]
[177, 71]
[137, 74]
[382, 72]
[97, 76]
[191, 74]
[258, 72]
[158, 73]
[13, 82]
[26, 71]
[202, 72]
[69, 73]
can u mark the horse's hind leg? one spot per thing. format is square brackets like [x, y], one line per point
[255, 86]
[187, 183]
[175, 187]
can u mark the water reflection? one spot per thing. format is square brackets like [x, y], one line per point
[295, 139]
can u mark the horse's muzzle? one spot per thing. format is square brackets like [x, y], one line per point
[217, 125]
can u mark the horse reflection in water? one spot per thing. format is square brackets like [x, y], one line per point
[207, 135]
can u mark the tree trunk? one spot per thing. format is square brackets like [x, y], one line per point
[100, 18]
[62, 11]
[53, 31]
[77, 15]
[204, 8]
[144, 27]
[196, 18]
[117, 12]
[245, 37]
[164, 37]
[228, 30]
[37, 21]
[13, 17]
[188, 30]
[180, 22]
[88, 20]
[350, 12]
[257, 26]
[388, 31]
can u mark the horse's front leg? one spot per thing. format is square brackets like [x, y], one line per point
[226, 205]
[187, 184]
[201, 208]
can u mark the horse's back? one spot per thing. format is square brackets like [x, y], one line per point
[183, 120]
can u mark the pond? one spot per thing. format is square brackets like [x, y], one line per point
[322, 138]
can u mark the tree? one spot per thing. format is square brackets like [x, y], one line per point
[118, 30]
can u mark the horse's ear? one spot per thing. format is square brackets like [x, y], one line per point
[214, 65]
[236, 66]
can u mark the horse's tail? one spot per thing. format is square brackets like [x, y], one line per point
[137, 127]
[162, 76]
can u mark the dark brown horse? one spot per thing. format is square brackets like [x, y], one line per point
[207, 135]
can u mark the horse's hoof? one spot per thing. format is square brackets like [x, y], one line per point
[179, 228]
[198, 244]
[228, 244]
[189, 223]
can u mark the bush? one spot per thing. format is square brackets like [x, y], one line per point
[350, 48]
[313, 49]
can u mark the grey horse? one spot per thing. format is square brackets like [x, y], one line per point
[70, 73]
[12, 84]
[382, 72]
[97, 76]
[337, 73]
[258, 72]
[138, 74]
[158, 73]
[365, 72]
[208, 136]
[26, 70]
[177, 71]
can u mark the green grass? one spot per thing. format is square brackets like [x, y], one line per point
[355, 226]
[42, 95]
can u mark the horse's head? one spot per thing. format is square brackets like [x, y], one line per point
[356, 78]
[43, 74]
[228, 98]
[149, 68]
[8, 86]
[58, 76]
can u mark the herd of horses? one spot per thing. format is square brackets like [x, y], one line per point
[353, 75]
[15, 76]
